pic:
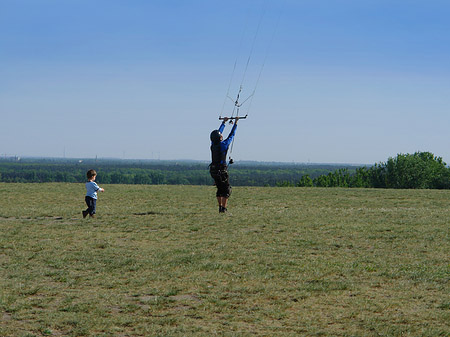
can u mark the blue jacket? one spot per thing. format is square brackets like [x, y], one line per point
[220, 158]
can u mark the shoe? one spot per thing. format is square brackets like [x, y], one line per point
[92, 215]
[85, 213]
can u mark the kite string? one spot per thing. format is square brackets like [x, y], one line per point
[227, 96]
[253, 46]
[269, 47]
[236, 102]
[237, 105]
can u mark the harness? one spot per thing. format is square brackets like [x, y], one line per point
[219, 157]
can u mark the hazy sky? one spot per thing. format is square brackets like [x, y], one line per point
[344, 81]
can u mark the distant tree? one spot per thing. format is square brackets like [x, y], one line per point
[157, 178]
[322, 181]
[116, 178]
[142, 178]
[418, 170]
[377, 176]
[305, 181]
[361, 178]
[340, 178]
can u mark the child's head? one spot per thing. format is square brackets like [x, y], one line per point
[91, 174]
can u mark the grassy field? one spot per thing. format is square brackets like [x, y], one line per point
[161, 261]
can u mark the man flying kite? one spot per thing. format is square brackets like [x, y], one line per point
[218, 166]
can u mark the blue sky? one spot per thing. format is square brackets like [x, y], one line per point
[344, 81]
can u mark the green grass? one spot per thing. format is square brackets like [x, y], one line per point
[161, 261]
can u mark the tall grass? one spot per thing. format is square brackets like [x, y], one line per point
[161, 261]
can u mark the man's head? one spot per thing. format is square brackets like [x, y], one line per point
[216, 136]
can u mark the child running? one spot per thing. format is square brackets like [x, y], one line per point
[91, 194]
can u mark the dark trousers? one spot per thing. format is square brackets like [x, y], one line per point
[221, 180]
[91, 204]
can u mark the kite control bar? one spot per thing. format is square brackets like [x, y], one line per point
[231, 118]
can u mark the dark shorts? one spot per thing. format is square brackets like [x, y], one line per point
[221, 180]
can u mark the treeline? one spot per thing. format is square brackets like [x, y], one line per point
[421, 170]
[154, 172]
